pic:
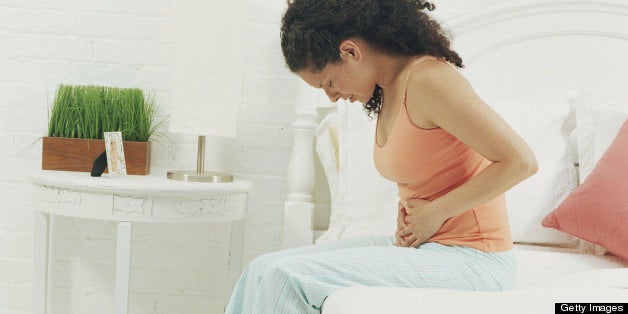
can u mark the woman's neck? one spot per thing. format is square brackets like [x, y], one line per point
[389, 68]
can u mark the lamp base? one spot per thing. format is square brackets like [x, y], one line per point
[193, 176]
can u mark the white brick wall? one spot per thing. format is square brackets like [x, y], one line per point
[130, 43]
[175, 268]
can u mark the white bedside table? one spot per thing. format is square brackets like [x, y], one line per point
[128, 199]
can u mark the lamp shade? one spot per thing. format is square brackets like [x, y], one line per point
[207, 67]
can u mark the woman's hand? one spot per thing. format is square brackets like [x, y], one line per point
[422, 222]
[401, 223]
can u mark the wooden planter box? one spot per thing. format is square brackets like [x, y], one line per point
[75, 154]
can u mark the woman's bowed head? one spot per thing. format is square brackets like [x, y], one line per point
[332, 44]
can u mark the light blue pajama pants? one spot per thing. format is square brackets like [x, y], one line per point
[298, 280]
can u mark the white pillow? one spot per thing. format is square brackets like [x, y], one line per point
[599, 116]
[367, 203]
[545, 126]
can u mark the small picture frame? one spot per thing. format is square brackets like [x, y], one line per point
[116, 164]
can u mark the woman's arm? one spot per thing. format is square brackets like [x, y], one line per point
[439, 96]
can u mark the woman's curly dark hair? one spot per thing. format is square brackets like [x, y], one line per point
[312, 31]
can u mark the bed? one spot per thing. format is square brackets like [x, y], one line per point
[555, 70]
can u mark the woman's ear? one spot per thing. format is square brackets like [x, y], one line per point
[350, 49]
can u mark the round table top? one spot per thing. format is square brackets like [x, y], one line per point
[156, 182]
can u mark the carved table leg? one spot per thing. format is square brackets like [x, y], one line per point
[40, 256]
[123, 267]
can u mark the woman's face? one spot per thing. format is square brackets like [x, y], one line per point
[345, 80]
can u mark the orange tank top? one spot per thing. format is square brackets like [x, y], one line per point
[427, 164]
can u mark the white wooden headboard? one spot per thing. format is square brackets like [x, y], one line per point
[514, 51]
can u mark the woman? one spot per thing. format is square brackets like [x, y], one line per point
[451, 156]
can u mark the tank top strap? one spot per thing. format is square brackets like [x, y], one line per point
[405, 92]
[405, 89]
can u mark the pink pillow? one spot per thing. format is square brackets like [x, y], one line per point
[597, 210]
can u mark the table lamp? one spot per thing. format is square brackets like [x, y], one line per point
[207, 77]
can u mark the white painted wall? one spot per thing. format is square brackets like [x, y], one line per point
[44, 43]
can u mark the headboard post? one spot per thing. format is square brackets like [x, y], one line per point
[299, 208]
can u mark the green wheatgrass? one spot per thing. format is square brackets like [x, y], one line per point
[88, 111]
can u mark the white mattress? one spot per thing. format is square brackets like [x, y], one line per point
[367, 300]
[537, 268]
[544, 279]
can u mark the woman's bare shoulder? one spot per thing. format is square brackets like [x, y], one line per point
[434, 85]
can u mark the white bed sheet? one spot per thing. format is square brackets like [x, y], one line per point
[545, 278]
[373, 300]
[539, 268]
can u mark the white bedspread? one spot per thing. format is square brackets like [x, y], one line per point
[365, 300]
[545, 278]
[537, 268]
